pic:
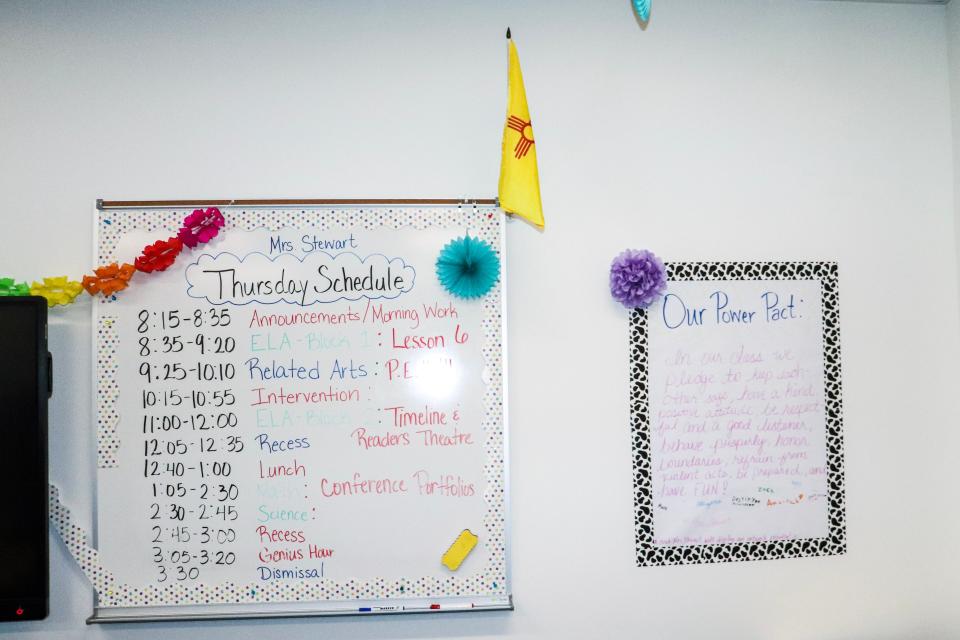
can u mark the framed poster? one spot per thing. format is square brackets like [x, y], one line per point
[736, 414]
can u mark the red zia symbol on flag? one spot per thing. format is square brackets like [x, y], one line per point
[526, 136]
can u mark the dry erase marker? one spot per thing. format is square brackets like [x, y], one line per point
[378, 609]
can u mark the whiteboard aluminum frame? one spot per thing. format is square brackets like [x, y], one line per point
[274, 610]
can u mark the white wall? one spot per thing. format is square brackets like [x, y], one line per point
[757, 129]
[953, 40]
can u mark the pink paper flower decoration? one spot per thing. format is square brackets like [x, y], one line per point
[201, 226]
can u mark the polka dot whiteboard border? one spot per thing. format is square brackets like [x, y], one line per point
[484, 222]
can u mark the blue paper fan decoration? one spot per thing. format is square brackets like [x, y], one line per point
[642, 7]
[468, 267]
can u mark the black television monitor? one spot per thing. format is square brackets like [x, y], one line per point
[25, 385]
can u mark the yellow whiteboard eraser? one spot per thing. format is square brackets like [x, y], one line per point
[459, 550]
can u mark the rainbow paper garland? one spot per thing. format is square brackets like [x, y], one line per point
[198, 228]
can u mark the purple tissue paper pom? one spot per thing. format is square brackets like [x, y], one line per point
[637, 278]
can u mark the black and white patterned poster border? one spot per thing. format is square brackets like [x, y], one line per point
[835, 543]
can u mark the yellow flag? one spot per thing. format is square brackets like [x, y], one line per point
[519, 182]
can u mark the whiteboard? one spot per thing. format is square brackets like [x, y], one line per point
[296, 419]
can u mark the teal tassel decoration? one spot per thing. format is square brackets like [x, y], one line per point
[642, 7]
[468, 267]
